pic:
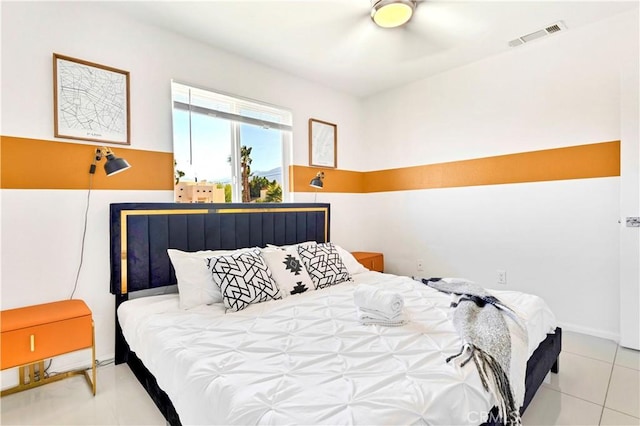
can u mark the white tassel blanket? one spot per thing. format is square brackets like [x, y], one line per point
[478, 319]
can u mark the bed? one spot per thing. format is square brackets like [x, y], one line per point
[304, 359]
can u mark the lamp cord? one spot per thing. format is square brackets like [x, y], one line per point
[84, 230]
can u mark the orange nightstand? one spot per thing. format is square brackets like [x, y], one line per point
[370, 260]
[34, 333]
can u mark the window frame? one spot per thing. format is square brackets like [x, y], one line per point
[236, 120]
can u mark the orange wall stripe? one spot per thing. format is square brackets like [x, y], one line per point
[575, 162]
[334, 180]
[42, 164]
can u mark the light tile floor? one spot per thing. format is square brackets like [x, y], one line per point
[598, 384]
[119, 400]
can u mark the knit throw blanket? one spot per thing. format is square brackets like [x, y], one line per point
[478, 319]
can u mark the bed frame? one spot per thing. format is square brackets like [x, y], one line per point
[141, 233]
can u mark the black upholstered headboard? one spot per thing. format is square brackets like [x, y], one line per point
[141, 233]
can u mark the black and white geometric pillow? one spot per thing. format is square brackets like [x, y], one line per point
[324, 264]
[243, 278]
[288, 270]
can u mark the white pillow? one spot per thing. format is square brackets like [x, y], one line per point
[352, 265]
[195, 283]
[290, 246]
[288, 270]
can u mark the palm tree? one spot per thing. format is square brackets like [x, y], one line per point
[274, 193]
[257, 184]
[178, 173]
[245, 162]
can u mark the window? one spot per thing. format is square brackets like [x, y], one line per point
[228, 149]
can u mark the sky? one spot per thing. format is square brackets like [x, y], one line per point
[211, 147]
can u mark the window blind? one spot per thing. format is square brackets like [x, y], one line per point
[231, 108]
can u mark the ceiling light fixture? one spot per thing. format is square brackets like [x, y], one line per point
[392, 13]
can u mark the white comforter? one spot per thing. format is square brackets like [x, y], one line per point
[307, 360]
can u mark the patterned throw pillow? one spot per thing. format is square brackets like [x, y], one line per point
[243, 278]
[323, 263]
[288, 270]
[195, 283]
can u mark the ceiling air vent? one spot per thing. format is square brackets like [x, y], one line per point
[551, 29]
[554, 28]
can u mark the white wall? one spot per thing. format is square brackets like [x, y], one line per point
[41, 229]
[556, 239]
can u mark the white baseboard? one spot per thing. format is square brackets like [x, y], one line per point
[590, 331]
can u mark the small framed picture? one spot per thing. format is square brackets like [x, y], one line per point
[91, 101]
[323, 141]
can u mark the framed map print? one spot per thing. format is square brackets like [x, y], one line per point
[323, 138]
[91, 101]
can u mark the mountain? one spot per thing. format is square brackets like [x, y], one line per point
[273, 174]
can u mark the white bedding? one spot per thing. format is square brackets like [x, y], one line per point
[307, 360]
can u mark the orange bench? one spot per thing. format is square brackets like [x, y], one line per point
[34, 333]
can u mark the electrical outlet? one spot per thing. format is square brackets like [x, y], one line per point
[420, 265]
[501, 275]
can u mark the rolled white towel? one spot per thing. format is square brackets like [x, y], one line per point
[373, 299]
[368, 317]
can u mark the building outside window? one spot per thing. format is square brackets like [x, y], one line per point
[228, 149]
